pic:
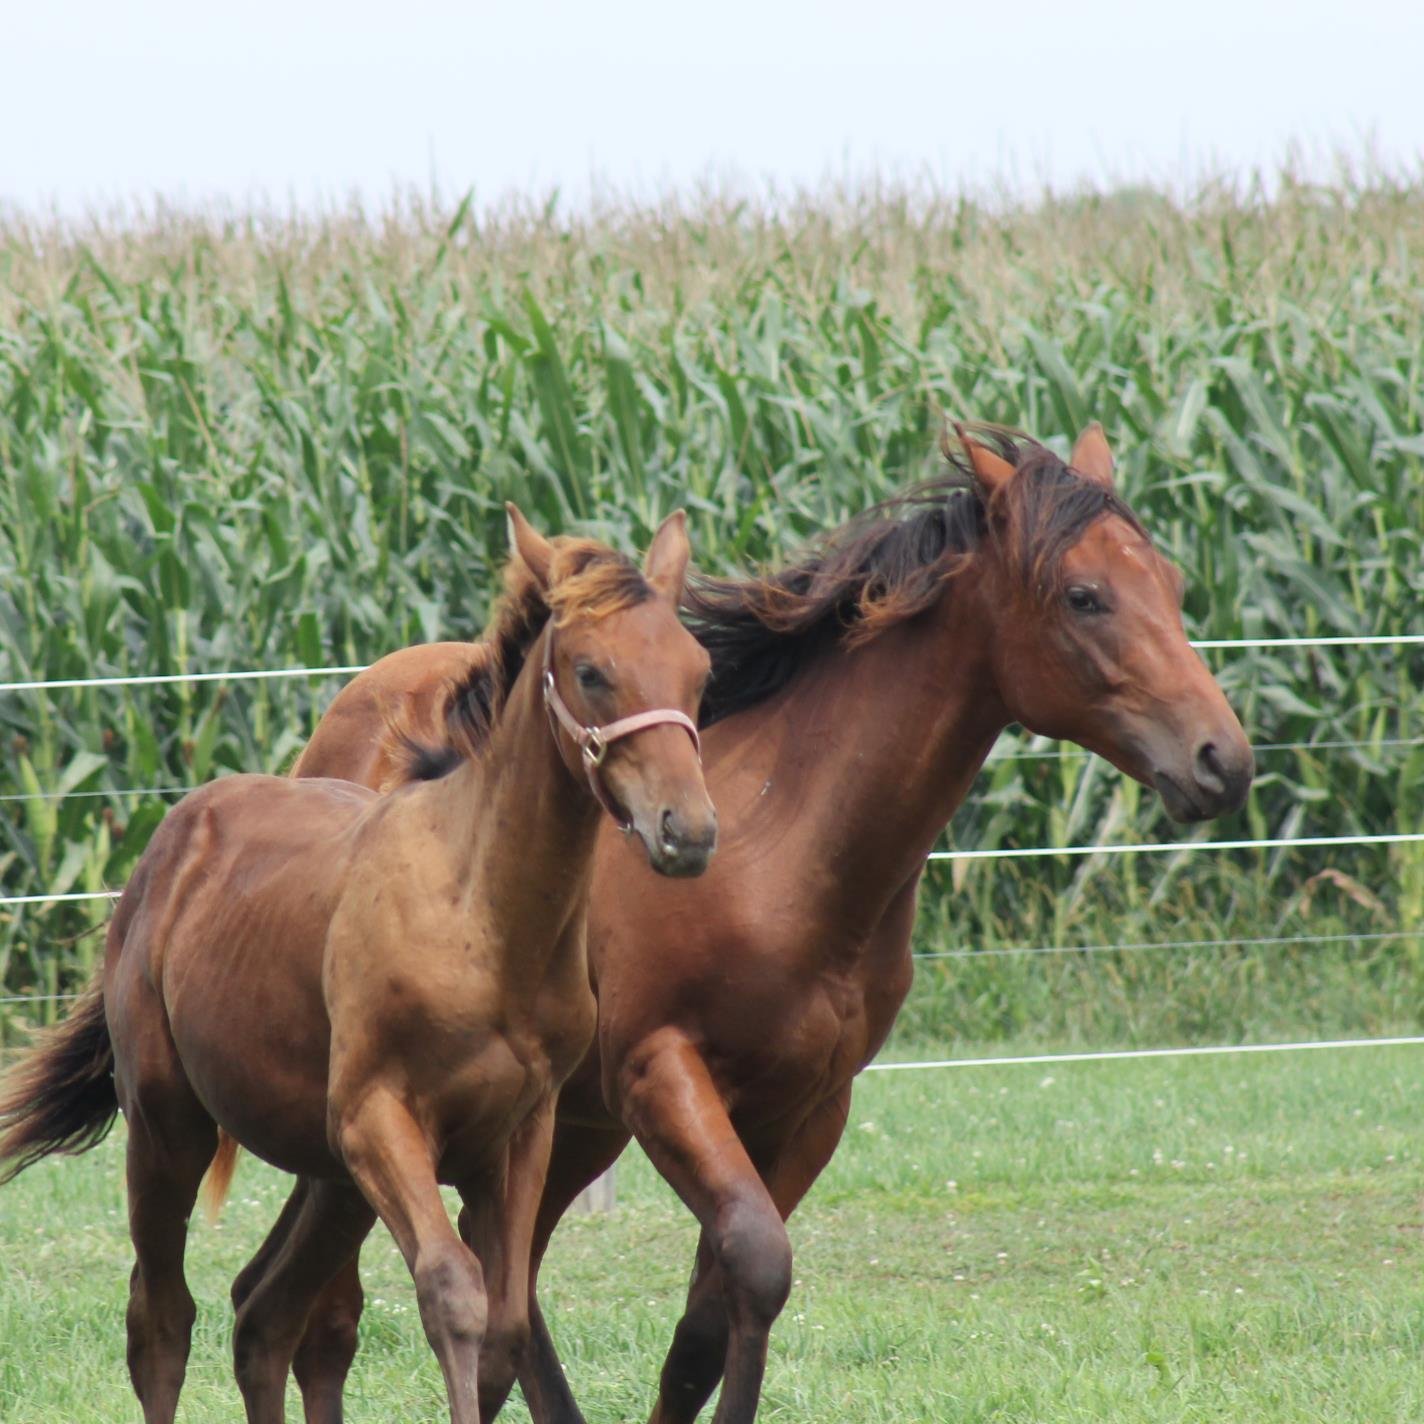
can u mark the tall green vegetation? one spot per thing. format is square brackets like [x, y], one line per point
[243, 442]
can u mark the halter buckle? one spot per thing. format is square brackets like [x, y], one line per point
[594, 747]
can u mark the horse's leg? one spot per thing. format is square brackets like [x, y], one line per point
[497, 1223]
[393, 1163]
[248, 1277]
[321, 1226]
[171, 1141]
[699, 1349]
[677, 1114]
[328, 1344]
[699, 1343]
[580, 1155]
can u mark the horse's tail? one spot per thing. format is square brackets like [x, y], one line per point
[219, 1177]
[61, 1096]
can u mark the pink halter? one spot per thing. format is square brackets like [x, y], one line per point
[593, 742]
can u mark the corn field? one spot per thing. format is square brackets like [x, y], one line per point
[257, 441]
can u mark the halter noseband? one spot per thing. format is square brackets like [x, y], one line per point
[593, 742]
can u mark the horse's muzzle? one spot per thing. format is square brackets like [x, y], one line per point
[680, 848]
[1216, 783]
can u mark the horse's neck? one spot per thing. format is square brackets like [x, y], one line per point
[880, 745]
[523, 829]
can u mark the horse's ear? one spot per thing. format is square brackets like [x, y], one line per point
[1091, 457]
[992, 471]
[531, 546]
[665, 566]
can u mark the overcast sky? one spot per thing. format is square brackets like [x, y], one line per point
[310, 101]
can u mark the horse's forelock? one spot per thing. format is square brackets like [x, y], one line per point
[1047, 508]
[585, 579]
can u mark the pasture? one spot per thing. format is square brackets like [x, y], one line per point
[1147, 1241]
[251, 442]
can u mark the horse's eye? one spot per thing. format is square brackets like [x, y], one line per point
[589, 677]
[1084, 600]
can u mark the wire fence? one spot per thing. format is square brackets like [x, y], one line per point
[1259, 749]
[1165, 847]
[1003, 853]
[1402, 639]
[1032, 950]
[1025, 754]
[254, 674]
[1141, 946]
[1110, 1055]
[168, 678]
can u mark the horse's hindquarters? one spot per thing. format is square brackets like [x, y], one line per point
[214, 966]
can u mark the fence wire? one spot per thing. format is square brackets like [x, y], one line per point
[255, 674]
[1030, 754]
[1383, 640]
[1108, 1055]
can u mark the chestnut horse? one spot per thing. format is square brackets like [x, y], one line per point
[383, 993]
[854, 698]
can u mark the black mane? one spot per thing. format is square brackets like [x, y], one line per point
[888, 565]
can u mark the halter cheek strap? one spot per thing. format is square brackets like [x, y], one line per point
[593, 742]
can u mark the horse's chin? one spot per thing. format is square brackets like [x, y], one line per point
[1179, 805]
[672, 856]
[686, 864]
[678, 861]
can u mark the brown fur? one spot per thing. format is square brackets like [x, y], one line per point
[589, 580]
[856, 695]
[891, 564]
[424, 990]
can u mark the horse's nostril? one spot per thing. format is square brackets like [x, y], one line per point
[1210, 772]
[667, 828]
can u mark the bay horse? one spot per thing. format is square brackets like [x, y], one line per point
[854, 697]
[383, 993]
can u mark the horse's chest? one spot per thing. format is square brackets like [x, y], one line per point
[807, 1027]
[507, 1068]
[564, 1024]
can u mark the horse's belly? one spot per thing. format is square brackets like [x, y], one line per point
[266, 1085]
[251, 1028]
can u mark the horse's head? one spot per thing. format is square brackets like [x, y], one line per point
[615, 651]
[1089, 644]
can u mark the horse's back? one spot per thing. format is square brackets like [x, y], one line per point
[233, 842]
[404, 692]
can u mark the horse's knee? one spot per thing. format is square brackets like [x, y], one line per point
[329, 1341]
[505, 1350]
[501, 1356]
[250, 1353]
[256, 1345]
[158, 1344]
[162, 1314]
[449, 1289]
[754, 1253]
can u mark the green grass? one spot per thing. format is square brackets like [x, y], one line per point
[255, 441]
[1228, 1239]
